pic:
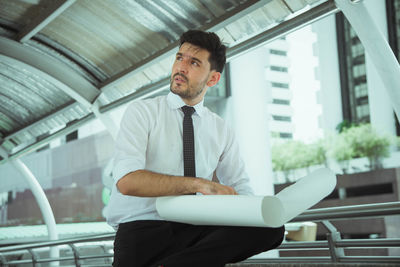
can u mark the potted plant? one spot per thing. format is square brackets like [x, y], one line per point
[341, 150]
[317, 153]
[287, 156]
[365, 141]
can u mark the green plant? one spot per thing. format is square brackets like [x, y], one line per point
[285, 156]
[344, 125]
[354, 142]
[317, 153]
[291, 155]
[365, 141]
[341, 150]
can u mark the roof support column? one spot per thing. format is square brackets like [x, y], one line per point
[376, 46]
[106, 119]
[249, 117]
[112, 128]
[42, 201]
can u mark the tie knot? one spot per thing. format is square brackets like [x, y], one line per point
[187, 110]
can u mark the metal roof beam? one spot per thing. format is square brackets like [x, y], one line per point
[66, 79]
[47, 117]
[214, 25]
[3, 153]
[310, 16]
[70, 128]
[44, 19]
[143, 92]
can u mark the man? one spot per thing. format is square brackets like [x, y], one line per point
[151, 160]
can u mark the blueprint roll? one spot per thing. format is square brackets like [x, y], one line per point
[234, 210]
[306, 192]
[239, 210]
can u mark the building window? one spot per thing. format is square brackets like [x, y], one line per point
[353, 74]
[277, 52]
[357, 49]
[361, 90]
[71, 136]
[281, 101]
[363, 111]
[286, 135]
[359, 70]
[280, 85]
[281, 118]
[277, 68]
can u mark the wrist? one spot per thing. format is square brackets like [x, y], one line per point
[201, 185]
[194, 185]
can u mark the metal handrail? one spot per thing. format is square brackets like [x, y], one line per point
[379, 242]
[322, 214]
[347, 212]
[65, 241]
[344, 243]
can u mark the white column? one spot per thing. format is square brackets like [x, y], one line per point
[329, 95]
[249, 107]
[43, 203]
[380, 55]
[112, 128]
[106, 120]
[381, 110]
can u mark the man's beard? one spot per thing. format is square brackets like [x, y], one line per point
[192, 91]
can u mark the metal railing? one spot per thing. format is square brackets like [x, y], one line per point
[334, 244]
[72, 243]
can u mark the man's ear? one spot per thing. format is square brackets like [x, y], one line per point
[215, 76]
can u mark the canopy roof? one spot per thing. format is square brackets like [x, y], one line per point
[62, 60]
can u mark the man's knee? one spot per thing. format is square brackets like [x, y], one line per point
[279, 236]
[269, 238]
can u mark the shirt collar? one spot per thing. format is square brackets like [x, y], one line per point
[176, 102]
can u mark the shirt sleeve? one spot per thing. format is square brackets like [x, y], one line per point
[231, 169]
[131, 142]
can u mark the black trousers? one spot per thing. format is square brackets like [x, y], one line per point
[172, 244]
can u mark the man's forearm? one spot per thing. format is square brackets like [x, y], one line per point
[143, 183]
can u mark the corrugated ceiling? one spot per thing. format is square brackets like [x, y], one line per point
[57, 58]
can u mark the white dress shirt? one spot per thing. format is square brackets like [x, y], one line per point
[150, 138]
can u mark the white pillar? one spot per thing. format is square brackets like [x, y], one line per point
[112, 128]
[379, 54]
[329, 95]
[381, 110]
[43, 203]
[106, 120]
[250, 117]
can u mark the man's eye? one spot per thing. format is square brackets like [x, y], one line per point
[179, 58]
[195, 63]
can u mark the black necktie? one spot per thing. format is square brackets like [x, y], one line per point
[188, 142]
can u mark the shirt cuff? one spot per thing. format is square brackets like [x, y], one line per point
[123, 167]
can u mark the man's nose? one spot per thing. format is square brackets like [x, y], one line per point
[182, 67]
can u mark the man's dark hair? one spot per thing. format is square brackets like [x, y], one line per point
[209, 41]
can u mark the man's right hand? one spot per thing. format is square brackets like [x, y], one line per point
[207, 187]
[144, 183]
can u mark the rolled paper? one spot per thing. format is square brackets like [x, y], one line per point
[235, 210]
[240, 210]
[306, 192]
